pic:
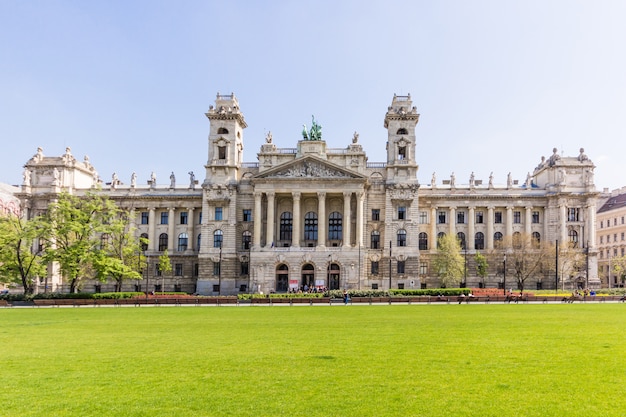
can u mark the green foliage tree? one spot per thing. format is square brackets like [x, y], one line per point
[619, 267]
[21, 260]
[120, 256]
[73, 231]
[165, 265]
[448, 262]
[482, 266]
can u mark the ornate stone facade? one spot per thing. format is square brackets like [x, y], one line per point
[313, 216]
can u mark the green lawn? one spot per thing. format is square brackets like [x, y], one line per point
[417, 360]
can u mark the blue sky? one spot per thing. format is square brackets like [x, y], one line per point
[498, 84]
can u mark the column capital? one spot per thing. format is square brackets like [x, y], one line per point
[296, 195]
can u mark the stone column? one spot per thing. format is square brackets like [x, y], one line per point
[359, 218]
[297, 221]
[347, 241]
[153, 241]
[190, 229]
[432, 242]
[563, 223]
[170, 229]
[590, 230]
[270, 219]
[470, 229]
[528, 222]
[453, 221]
[489, 228]
[509, 222]
[256, 239]
[322, 222]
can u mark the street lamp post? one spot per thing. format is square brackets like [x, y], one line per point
[504, 275]
[390, 265]
[219, 273]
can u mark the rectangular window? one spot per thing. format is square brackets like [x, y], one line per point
[535, 217]
[401, 213]
[244, 268]
[572, 215]
[164, 217]
[374, 286]
[375, 215]
[374, 267]
[615, 237]
[196, 270]
[423, 219]
[216, 268]
[221, 152]
[157, 270]
[517, 217]
[479, 217]
[218, 213]
[601, 239]
[400, 267]
[423, 268]
[460, 217]
[178, 270]
[497, 217]
[144, 217]
[183, 217]
[200, 218]
[615, 221]
[441, 218]
[601, 224]
[622, 236]
[247, 215]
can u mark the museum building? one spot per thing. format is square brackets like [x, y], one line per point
[313, 216]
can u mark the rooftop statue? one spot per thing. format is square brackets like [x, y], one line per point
[315, 133]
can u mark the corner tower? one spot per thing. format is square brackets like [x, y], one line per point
[225, 140]
[400, 121]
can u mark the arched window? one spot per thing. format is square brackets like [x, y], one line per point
[222, 131]
[162, 242]
[402, 131]
[440, 235]
[246, 240]
[573, 238]
[286, 226]
[423, 241]
[334, 226]
[536, 240]
[401, 237]
[375, 240]
[217, 239]
[310, 226]
[497, 239]
[517, 240]
[143, 241]
[479, 241]
[461, 238]
[183, 240]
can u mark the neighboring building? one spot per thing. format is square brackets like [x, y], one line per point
[9, 203]
[611, 235]
[318, 216]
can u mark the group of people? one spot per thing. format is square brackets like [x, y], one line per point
[307, 289]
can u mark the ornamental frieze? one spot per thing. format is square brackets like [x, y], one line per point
[311, 169]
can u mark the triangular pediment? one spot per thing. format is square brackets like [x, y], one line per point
[309, 167]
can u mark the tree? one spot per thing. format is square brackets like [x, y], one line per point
[481, 266]
[528, 256]
[619, 267]
[571, 260]
[165, 265]
[448, 262]
[21, 260]
[73, 230]
[120, 256]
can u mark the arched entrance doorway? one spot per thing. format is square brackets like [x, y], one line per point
[334, 277]
[308, 277]
[282, 278]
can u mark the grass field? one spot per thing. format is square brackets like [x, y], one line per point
[417, 360]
